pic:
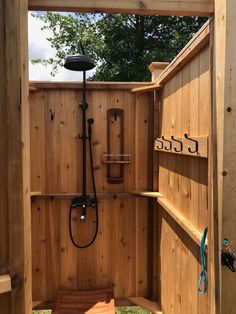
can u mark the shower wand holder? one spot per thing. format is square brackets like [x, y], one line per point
[83, 106]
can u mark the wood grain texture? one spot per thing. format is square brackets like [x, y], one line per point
[5, 283]
[161, 7]
[14, 153]
[36, 86]
[80, 302]
[4, 222]
[153, 307]
[119, 256]
[224, 81]
[183, 181]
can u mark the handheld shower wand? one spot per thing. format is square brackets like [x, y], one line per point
[81, 62]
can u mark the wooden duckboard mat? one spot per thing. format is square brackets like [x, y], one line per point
[81, 302]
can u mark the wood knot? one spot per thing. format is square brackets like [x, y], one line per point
[141, 5]
[17, 282]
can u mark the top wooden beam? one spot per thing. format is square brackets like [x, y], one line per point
[149, 7]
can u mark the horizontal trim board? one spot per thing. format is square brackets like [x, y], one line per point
[69, 196]
[152, 7]
[146, 194]
[5, 283]
[37, 86]
[146, 89]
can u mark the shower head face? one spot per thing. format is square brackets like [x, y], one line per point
[79, 62]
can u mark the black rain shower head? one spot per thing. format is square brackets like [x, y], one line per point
[79, 61]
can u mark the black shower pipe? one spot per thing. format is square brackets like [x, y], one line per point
[85, 201]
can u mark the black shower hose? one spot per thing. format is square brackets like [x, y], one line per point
[95, 198]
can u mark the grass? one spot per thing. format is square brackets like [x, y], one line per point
[42, 312]
[131, 309]
[119, 310]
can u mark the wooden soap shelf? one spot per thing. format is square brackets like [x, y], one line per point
[116, 159]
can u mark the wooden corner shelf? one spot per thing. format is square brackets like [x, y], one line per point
[5, 283]
[69, 196]
[187, 226]
[35, 193]
[146, 194]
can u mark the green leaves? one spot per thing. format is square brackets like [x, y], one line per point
[121, 45]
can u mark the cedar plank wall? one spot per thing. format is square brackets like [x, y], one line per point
[120, 254]
[183, 106]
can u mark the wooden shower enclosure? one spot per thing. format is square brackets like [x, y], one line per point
[152, 249]
[146, 246]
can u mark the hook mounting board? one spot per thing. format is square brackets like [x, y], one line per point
[183, 145]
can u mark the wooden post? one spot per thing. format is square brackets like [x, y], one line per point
[4, 298]
[156, 68]
[14, 153]
[224, 94]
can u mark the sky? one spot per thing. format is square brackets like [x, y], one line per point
[39, 47]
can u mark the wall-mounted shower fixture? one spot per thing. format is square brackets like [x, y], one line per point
[82, 62]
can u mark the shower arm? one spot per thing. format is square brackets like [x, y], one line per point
[84, 107]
